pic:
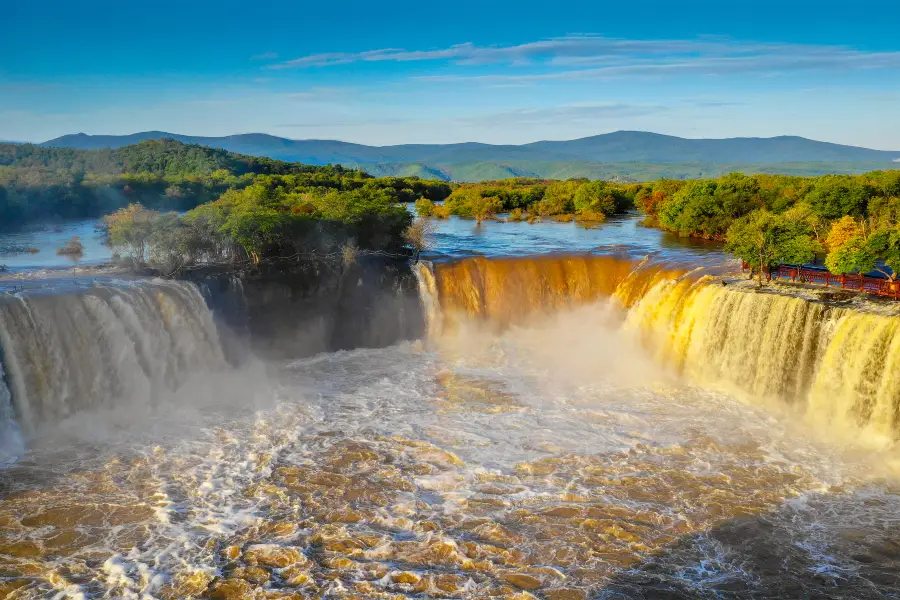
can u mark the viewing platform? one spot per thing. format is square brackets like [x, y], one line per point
[819, 276]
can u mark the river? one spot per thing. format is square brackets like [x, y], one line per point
[578, 422]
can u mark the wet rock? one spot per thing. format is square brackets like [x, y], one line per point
[295, 575]
[407, 577]
[565, 594]
[230, 589]
[9, 586]
[276, 557]
[566, 512]
[451, 583]
[21, 549]
[340, 562]
[256, 575]
[231, 552]
[522, 580]
[186, 584]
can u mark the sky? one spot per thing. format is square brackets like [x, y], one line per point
[506, 72]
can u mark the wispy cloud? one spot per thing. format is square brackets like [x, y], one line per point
[320, 93]
[590, 56]
[575, 113]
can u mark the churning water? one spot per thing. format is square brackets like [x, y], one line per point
[572, 427]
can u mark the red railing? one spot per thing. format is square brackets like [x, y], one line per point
[860, 283]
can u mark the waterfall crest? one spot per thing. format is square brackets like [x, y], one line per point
[838, 366]
[130, 342]
[506, 291]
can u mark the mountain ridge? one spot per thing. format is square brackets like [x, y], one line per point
[445, 160]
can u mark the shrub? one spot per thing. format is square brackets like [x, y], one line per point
[73, 247]
[424, 207]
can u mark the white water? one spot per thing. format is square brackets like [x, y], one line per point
[125, 343]
[558, 450]
[569, 410]
[11, 444]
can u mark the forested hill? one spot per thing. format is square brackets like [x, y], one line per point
[38, 183]
[617, 147]
[163, 157]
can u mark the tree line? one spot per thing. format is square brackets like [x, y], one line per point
[533, 199]
[767, 220]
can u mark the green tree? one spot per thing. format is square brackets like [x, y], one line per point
[601, 197]
[558, 199]
[424, 207]
[879, 252]
[765, 240]
[835, 196]
[130, 228]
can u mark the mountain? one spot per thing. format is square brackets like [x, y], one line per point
[475, 160]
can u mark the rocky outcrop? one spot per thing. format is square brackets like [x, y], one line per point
[296, 309]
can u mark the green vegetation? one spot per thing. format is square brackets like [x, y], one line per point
[765, 240]
[73, 247]
[275, 217]
[771, 219]
[39, 183]
[530, 199]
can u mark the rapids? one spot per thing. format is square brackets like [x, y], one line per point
[571, 427]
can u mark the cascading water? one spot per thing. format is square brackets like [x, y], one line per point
[506, 291]
[543, 452]
[839, 366]
[11, 445]
[131, 342]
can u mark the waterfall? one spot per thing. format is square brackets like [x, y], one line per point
[11, 444]
[838, 366]
[506, 291]
[131, 342]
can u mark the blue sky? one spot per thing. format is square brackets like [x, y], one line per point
[430, 72]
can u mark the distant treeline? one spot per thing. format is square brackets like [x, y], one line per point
[531, 199]
[38, 183]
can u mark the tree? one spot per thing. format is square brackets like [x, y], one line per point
[862, 254]
[73, 247]
[486, 208]
[842, 230]
[558, 199]
[834, 196]
[599, 197]
[765, 240]
[469, 202]
[420, 235]
[130, 228]
[424, 207]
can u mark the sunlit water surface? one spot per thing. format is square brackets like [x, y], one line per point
[46, 239]
[553, 460]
